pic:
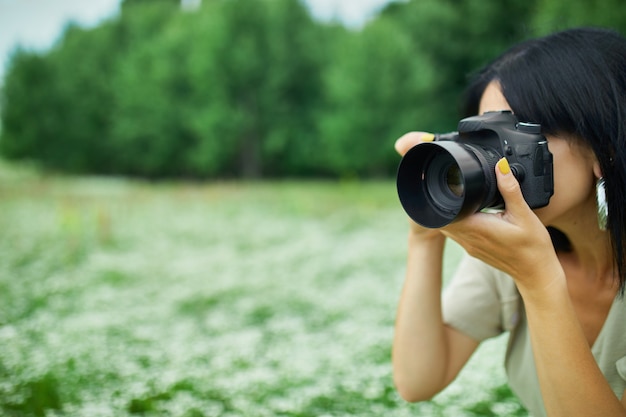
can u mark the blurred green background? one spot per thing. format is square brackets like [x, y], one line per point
[144, 268]
[258, 88]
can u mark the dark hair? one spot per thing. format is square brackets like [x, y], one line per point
[572, 82]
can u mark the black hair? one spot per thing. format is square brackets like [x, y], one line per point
[572, 82]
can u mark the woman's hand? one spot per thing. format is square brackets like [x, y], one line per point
[402, 146]
[514, 241]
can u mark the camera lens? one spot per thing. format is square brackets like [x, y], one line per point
[441, 182]
[454, 180]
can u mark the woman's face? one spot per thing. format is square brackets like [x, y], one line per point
[574, 167]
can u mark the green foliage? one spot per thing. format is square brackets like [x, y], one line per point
[57, 107]
[255, 83]
[231, 99]
[131, 3]
[501, 401]
[257, 88]
[148, 134]
[26, 96]
[40, 396]
[373, 89]
[83, 70]
[210, 300]
[557, 15]
[456, 38]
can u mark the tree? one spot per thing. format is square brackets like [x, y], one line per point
[373, 86]
[257, 88]
[84, 66]
[455, 38]
[127, 4]
[151, 90]
[255, 71]
[559, 15]
[57, 105]
[27, 96]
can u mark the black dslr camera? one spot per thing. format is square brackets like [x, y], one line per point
[454, 176]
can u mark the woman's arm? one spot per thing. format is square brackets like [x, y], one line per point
[427, 354]
[517, 243]
[571, 383]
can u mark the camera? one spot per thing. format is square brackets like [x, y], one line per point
[452, 177]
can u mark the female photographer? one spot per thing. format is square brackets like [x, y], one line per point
[552, 277]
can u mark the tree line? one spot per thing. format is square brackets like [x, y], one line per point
[258, 88]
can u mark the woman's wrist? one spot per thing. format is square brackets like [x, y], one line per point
[425, 237]
[542, 291]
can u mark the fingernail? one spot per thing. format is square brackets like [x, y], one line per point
[503, 166]
[428, 137]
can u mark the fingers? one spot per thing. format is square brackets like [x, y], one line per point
[411, 139]
[516, 209]
[510, 189]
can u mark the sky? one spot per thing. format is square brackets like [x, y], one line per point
[37, 24]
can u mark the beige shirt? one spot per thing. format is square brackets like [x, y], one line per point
[483, 302]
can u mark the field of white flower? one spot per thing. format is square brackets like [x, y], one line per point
[123, 298]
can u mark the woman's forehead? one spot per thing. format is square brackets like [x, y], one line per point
[493, 99]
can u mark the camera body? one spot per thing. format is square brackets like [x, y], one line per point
[452, 177]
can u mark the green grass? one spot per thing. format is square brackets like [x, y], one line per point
[124, 298]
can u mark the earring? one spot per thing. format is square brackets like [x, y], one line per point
[603, 208]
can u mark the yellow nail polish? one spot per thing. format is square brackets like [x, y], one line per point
[503, 166]
[428, 137]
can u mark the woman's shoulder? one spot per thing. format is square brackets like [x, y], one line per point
[480, 300]
[473, 271]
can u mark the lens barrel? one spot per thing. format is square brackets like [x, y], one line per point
[441, 182]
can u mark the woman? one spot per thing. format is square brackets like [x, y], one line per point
[553, 277]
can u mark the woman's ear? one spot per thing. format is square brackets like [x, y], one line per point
[597, 171]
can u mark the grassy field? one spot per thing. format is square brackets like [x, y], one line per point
[123, 298]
